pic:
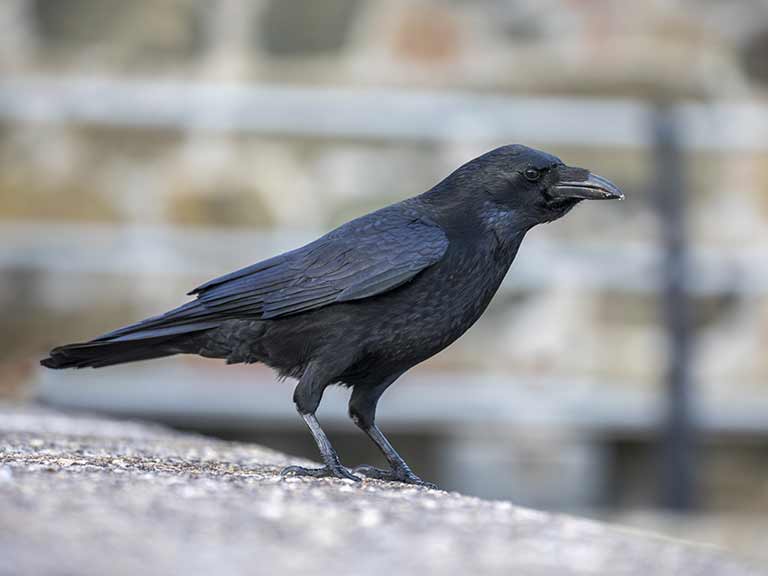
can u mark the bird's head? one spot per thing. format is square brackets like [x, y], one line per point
[534, 186]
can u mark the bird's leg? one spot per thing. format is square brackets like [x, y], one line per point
[307, 396]
[362, 410]
[399, 472]
[333, 467]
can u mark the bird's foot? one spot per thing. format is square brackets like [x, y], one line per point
[398, 475]
[324, 472]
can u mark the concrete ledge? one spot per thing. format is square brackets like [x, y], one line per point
[83, 495]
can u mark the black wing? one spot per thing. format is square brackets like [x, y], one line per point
[363, 258]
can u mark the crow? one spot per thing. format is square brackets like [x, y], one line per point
[370, 299]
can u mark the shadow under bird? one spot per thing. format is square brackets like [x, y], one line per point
[370, 299]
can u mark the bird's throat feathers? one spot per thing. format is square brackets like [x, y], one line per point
[507, 227]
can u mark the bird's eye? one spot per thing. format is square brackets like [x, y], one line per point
[531, 174]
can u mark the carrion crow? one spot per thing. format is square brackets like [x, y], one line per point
[370, 299]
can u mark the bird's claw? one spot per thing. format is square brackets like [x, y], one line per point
[324, 472]
[405, 476]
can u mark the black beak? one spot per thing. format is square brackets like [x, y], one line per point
[581, 184]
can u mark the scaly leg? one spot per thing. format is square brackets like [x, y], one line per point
[333, 467]
[362, 410]
[307, 396]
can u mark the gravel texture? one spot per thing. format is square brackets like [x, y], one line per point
[84, 495]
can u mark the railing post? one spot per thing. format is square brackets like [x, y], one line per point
[678, 446]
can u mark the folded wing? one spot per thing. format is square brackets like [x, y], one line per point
[361, 259]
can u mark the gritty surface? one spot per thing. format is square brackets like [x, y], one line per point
[84, 495]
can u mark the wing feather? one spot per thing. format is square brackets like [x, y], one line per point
[361, 259]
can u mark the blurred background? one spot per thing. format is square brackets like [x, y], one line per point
[622, 370]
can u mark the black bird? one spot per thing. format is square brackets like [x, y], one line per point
[370, 299]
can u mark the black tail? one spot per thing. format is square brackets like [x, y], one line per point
[97, 354]
[171, 333]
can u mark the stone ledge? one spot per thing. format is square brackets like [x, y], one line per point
[85, 495]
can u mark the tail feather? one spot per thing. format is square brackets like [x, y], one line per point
[165, 335]
[98, 354]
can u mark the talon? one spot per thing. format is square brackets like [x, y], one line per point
[324, 472]
[289, 471]
[373, 472]
[404, 476]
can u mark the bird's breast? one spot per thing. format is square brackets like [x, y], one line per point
[439, 305]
